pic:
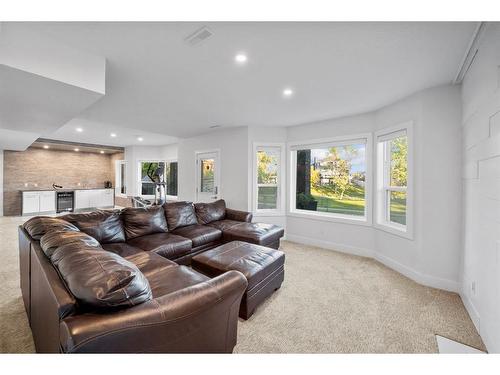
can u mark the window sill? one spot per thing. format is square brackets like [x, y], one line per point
[362, 220]
[264, 213]
[395, 230]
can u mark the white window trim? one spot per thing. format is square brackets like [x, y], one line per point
[118, 179]
[280, 206]
[341, 140]
[139, 173]
[381, 221]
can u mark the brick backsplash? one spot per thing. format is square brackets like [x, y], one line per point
[44, 167]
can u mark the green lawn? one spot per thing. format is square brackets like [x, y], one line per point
[353, 203]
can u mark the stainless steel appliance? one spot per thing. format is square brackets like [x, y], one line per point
[65, 201]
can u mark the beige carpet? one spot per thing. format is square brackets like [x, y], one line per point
[329, 303]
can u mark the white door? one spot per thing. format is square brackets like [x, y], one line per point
[47, 201]
[207, 176]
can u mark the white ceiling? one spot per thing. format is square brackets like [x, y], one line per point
[158, 83]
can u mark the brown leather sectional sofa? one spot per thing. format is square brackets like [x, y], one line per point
[117, 281]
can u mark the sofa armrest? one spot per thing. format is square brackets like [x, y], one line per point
[238, 215]
[198, 319]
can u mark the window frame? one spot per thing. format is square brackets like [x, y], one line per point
[139, 173]
[118, 178]
[281, 194]
[367, 139]
[383, 188]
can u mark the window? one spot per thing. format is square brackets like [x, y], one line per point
[393, 176]
[267, 179]
[152, 173]
[331, 179]
[120, 178]
[171, 179]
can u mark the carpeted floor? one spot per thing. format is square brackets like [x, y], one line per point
[329, 303]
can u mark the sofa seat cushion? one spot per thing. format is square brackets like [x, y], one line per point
[180, 214]
[104, 226]
[254, 261]
[173, 279]
[123, 249]
[39, 225]
[167, 245]
[143, 221]
[150, 263]
[224, 224]
[199, 234]
[209, 212]
[257, 233]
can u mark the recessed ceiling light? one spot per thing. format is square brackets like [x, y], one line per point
[113, 135]
[287, 92]
[140, 139]
[77, 149]
[102, 151]
[241, 58]
[45, 146]
[79, 130]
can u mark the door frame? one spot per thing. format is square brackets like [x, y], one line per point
[218, 170]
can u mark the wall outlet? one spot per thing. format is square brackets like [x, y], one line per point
[473, 288]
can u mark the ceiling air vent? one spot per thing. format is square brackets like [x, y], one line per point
[199, 36]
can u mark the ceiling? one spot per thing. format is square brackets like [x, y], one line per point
[159, 84]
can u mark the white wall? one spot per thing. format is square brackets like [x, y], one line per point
[433, 256]
[234, 184]
[481, 188]
[1, 182]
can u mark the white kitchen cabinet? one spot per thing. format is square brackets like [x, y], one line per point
[38, 201]
[109, 198]
[82, 199]
[31, 202]
[94, 198]
[47, 201]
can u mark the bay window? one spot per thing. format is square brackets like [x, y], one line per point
[331, 178]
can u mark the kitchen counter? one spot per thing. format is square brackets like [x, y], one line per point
[63, 189]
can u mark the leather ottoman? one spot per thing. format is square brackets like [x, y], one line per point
[258, 233]
[263, 267]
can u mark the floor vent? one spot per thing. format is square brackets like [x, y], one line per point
[199, 36]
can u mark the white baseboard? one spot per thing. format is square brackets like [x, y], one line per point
[330, 245]
[471, 309]
[421, 278]
[434, 282]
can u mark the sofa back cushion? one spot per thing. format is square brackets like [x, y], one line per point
[50, 241]
[180, 214]
[39, 225]
[208, 212]
[99, 278]
[143, 220]
[104, 226]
